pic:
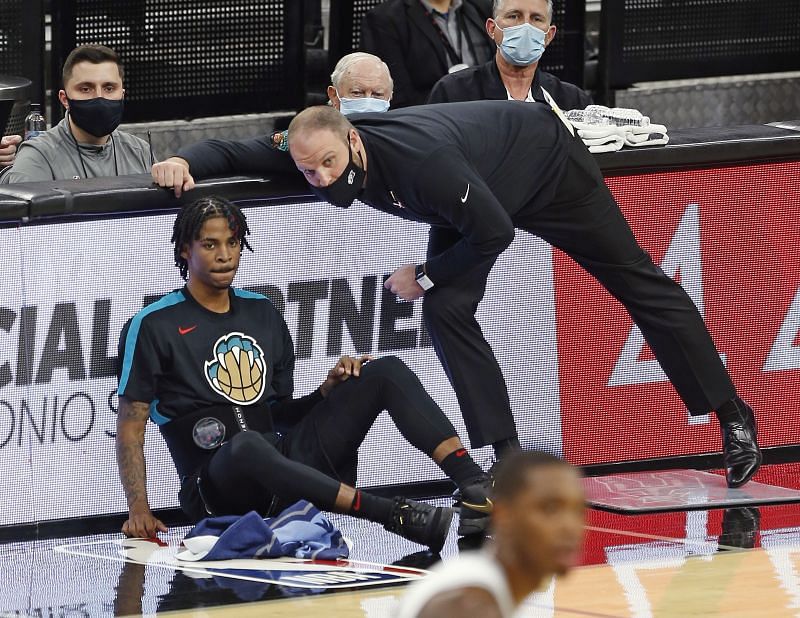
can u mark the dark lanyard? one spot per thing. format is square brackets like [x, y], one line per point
[150, 145]
[455, 56]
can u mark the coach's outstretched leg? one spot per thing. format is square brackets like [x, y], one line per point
[586, 222]
[675, 331]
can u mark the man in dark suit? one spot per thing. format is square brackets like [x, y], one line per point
[522, 30]
[421, 40]
[476, 172]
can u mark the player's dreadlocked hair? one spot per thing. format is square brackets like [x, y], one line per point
[191, 218]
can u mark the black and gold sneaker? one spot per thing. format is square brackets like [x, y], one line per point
[421, 523]
[475, 506]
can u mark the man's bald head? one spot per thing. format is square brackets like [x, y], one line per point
[322, 143]
[318, 118]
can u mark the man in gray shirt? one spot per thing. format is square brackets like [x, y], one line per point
[85, 144]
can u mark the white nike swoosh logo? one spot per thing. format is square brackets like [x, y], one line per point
[466, 195]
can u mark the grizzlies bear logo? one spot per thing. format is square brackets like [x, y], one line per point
[237, 370]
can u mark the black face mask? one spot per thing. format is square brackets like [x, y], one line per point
[342, 191]
[98, 116]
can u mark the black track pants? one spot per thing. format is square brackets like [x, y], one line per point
[253, 471]
[585, 222]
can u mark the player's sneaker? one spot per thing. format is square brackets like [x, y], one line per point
[456, 495]
[421, 523]
[475, 507]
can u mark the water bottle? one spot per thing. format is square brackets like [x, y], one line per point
[632, 117]
[34, 122]
[620, 116]
[588, 116]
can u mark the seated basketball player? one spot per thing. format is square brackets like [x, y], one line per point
[212, 366]
[537, 527]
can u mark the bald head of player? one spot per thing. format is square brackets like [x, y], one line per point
[328, 151]
[537, 524]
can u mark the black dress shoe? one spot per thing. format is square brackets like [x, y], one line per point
[741, 456]
[739, 527]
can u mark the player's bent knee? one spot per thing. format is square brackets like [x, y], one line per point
[388, 374]
[386, 366]
[248, 447]
[390, 371]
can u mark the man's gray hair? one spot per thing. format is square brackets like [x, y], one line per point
[497, 5]
[346, 63]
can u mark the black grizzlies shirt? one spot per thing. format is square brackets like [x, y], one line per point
[180, 357]
[188, 362]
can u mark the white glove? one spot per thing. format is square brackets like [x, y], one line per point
[600, 137]
[610, 147]
[649, 135]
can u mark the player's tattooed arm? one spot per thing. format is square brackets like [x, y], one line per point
[131, 424]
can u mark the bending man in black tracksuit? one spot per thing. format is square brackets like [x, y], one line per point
[475, 171]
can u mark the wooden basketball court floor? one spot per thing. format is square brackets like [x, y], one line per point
[724, 562]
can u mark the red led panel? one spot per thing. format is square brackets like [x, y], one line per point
[730, 237]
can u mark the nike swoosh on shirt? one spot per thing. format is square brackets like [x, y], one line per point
[466, 195]
[486, 507]
[187, 330]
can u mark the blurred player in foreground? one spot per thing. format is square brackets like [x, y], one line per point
[537, 527]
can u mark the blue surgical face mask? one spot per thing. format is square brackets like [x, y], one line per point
[522, 45]
[362, 105]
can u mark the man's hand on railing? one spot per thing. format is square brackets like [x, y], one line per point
[173, 174]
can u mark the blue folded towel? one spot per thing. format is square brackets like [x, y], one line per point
[300, 531]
